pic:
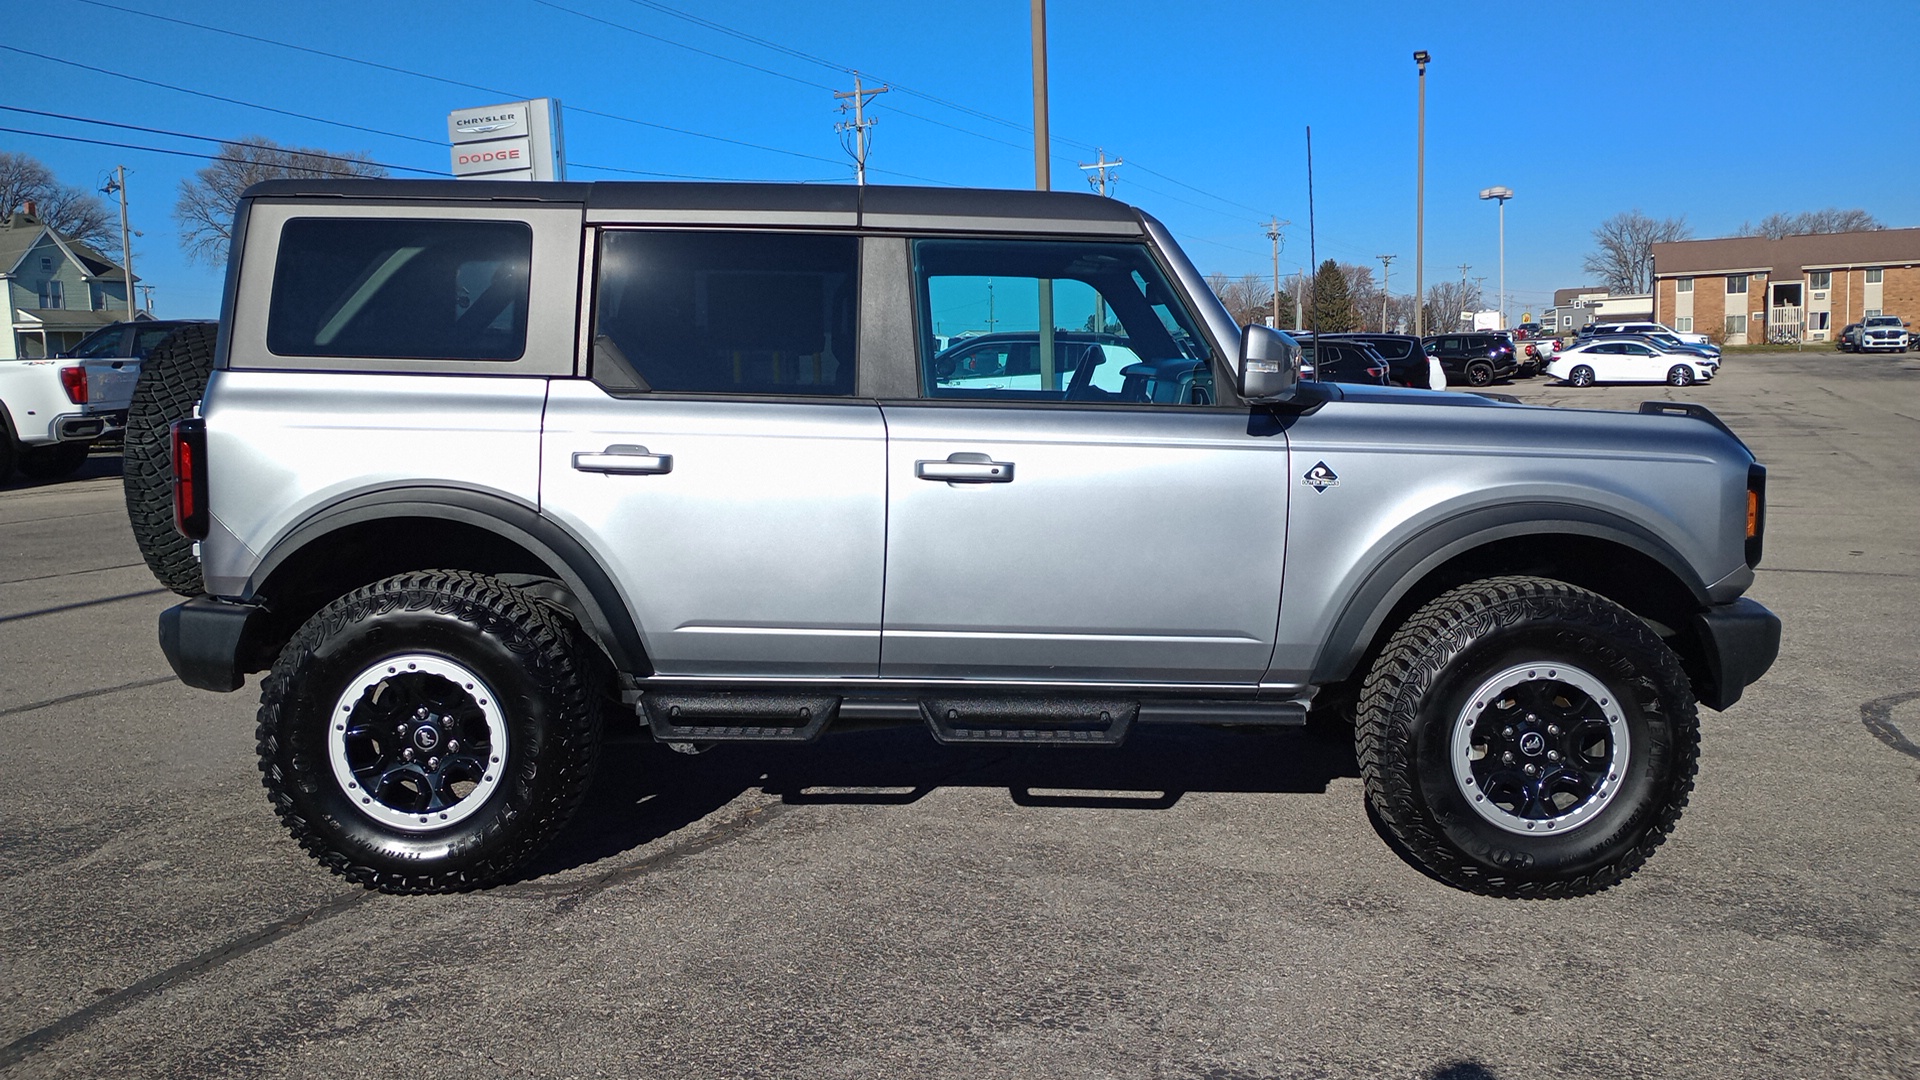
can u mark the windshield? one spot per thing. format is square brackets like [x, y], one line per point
[1884, 320]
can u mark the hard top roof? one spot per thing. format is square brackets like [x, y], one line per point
[872, 204]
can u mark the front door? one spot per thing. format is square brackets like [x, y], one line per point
[1069, 532]
[718, 462]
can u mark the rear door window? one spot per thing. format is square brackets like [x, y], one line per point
[401, 289]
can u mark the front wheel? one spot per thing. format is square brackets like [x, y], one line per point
[428, 733]
[1581, 375]
[1680, 375]
[1522, 737]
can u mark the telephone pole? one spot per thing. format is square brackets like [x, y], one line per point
[119, 184]
[856, 100]
[1273, 233]
[1101, 166]
[1386, 275]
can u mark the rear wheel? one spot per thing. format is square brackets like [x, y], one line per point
[172, 378]
[1581, 375]
[1479, 373]
[430, 732]
[1523, 737]
[55, 461]
[1680, 375]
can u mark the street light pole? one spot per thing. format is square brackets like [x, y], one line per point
[1502, 194]
[1420, 57]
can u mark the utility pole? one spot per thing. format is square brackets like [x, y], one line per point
[119, 184]
[1042, 180]
[1386, 275]
[856, 100]
[1421, 58]
[1102, 166]
[1273, 233]
[1464, 267]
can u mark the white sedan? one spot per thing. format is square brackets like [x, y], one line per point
[1629, 362]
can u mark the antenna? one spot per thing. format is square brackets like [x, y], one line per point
[1313, 249]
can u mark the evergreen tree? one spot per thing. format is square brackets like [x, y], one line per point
[1332, 304]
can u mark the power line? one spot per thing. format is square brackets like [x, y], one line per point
[683, 45]
[217, 97]
[222, 142]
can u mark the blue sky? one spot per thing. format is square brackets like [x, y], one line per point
[1721, 112]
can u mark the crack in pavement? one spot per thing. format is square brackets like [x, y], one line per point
[73, 573]
[81, 604]
[35, 1041]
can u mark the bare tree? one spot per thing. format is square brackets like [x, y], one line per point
[1624, 259]
[1248, 298]
[73, 212]
[1448, 305]
[1831, 220]
[207, 202]
[1363, 293]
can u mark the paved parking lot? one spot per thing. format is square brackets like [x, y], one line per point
[1195, 904]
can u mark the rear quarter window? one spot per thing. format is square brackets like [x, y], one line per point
[400, 289]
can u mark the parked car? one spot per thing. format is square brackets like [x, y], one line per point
[1616, 360]
[1477, 359]
[1615, 329]
[745, 508]
[53, 409]
[1883, 332]
[1670, 343]
[1330, 359]
[131, 340]
[1407, 363]
[1010, 361]
[1527, 331]
[1849, 339]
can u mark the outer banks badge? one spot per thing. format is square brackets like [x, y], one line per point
[1320, 478]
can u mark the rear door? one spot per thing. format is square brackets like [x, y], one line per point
[1072, 533]
[718, 462]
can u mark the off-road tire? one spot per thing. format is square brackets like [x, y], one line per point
[54, 461]
[533, 660]
[1419, 693]
[1679, 375]
[1479, 373]
[1581, 375]
[172, 378]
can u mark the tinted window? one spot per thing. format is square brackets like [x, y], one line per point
[105, 341]
[726, 313]
[1393, 348]
[145, 341]
[1120, 334]
[397, 289]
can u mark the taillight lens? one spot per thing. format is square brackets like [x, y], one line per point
[190, 478]
[74, 381]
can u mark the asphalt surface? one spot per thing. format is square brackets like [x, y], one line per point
[1196, 904]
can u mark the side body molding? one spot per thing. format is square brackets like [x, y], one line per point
[1396, 573]
[600, 602]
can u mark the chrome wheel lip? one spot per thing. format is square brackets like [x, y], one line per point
[480, 695]
[1461, 744]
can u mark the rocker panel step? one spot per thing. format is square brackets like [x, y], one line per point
[737, 717]
[1036, 721]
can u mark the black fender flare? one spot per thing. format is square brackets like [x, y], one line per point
[1391, 578]
[601, 604]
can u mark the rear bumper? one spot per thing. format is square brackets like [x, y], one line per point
[207, 641]
[1739, 642]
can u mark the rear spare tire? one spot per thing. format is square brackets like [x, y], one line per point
[172, 379]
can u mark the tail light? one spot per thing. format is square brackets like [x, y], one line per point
[1756, 511]
[190, 478]
[74, 381]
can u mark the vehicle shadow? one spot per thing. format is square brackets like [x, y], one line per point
[645, 791]
[101, 464]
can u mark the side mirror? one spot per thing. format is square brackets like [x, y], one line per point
[1269, 368]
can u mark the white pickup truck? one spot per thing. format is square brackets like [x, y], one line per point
[52, 410]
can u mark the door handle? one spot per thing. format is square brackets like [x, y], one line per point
[624, 459]
[966, 469]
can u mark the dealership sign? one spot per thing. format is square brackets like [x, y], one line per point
[516, 140]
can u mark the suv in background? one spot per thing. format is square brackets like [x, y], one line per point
[1618, 328]
[1476, 359]
[1406, 360]
[478, 460]
[1882, 332]
[1327, 359]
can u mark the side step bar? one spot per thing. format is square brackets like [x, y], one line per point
[954, 719]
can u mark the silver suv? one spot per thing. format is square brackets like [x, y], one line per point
[477, 459]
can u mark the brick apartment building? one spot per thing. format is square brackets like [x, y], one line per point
[1749, 289]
